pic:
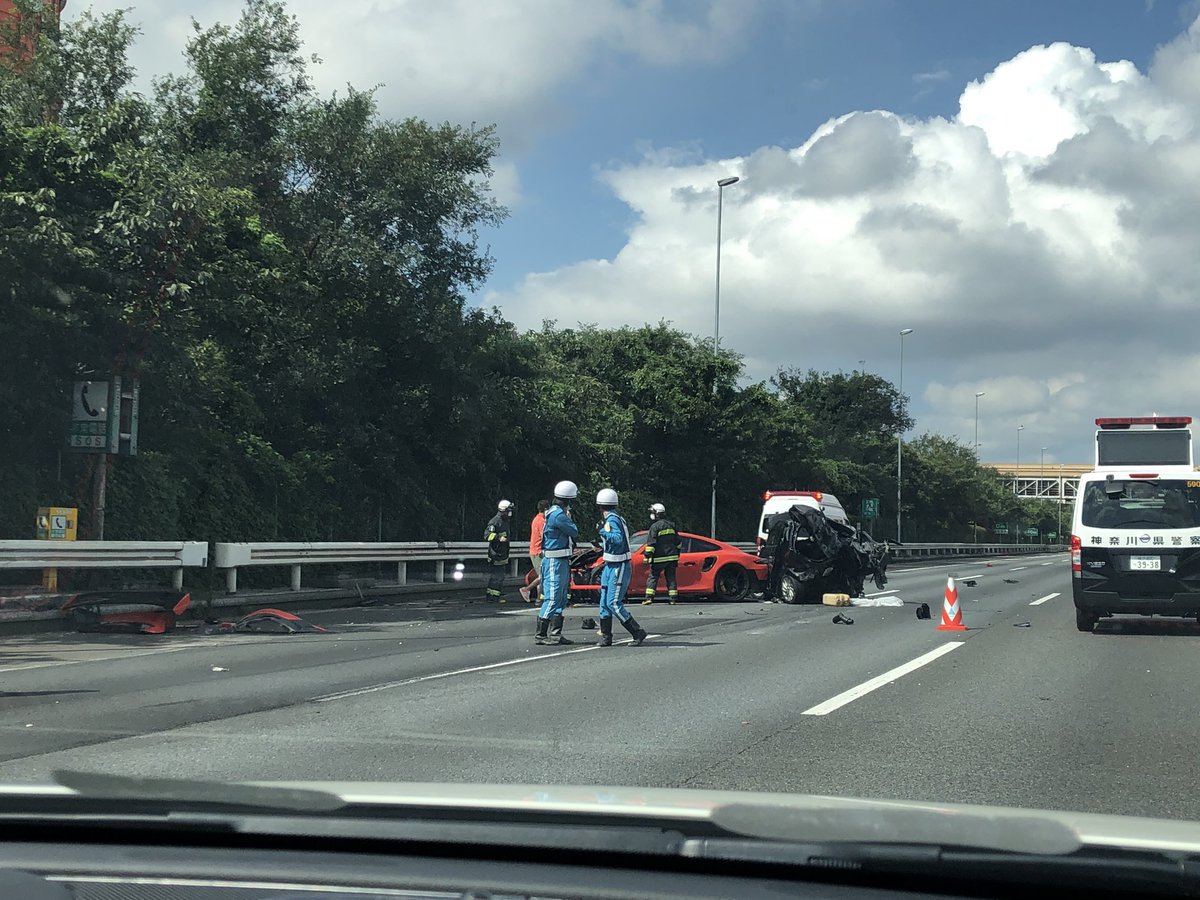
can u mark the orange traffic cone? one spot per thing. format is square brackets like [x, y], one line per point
[952, 617]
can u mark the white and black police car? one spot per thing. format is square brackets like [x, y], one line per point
[1135, 536]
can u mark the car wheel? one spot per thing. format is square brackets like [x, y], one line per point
[790, 590]
[1085, 621]
[732, 583]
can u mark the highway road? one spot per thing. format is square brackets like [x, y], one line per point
[1019, 710]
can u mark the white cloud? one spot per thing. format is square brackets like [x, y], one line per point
[465, 60]
[1042, 243]
[927, 77]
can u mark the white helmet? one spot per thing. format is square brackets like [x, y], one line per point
[606, 497]
[657, 509]
[504, 505]
[566, 490]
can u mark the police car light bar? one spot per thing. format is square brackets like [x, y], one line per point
[816, 495]
[1158, 421]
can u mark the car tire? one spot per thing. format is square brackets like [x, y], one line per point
[791, 590]
[1085, 621]
[732, 584]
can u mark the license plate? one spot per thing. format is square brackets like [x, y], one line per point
[1145, 563]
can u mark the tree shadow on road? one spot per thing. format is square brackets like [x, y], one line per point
[4, 694]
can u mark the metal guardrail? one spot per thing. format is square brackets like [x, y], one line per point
[176, 555]
[930, 550]
[231, 557]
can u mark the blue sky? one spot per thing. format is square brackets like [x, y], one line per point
[793, 71]
[1024, 198]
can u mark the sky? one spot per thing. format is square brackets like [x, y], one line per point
[1017, 181]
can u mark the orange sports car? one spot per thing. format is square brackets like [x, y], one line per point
[707, 568]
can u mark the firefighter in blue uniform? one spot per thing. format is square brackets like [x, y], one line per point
[558, 539]
[614, 580]
[496, 535]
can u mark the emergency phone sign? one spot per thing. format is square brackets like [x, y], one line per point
[104, 416]
[90, 421]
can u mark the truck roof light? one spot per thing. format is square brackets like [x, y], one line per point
[1157, 421]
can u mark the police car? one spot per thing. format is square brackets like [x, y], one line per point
[1135, 537]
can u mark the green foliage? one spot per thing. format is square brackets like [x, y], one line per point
[288, 275]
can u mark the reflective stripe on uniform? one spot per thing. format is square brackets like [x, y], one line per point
[557, 554]
[617, 557]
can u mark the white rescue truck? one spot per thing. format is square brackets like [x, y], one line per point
[1135, 536]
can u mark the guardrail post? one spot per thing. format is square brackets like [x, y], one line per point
[440, 572]
[177, 579]
[231, 581]
[512, 569]
[401, 573]
[295, 578]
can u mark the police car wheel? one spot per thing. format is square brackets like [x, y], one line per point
[1085, 621]
[732, 583]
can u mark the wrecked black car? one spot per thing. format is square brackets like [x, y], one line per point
[809, 555]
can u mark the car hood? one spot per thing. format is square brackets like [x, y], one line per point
[768, 816]
[1089, 829]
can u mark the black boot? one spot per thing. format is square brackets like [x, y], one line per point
[638, 632]
[605, 633]
[539, 636]
[556, 635]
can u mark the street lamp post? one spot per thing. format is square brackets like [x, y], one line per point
[975, 526]
[722, 183]
[978, 394]
[1061, 500]
[1041, 480]
[900, 437]
[1017, 481]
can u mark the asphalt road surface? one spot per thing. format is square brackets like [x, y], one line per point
[749, 696]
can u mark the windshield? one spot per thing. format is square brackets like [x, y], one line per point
[1142, 504]
[330, 332]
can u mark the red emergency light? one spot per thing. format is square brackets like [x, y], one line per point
[1157, 421]
[816, 495]
[1143, 475]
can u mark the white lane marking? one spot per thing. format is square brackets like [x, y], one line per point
[1048, 563]
[125, 654]
[358, 692]
[1018, 568]
[883, 593]
[833, 703]
[1042, 600]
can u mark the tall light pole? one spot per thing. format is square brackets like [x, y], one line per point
[1061, 500]
[722, 183]
[900, 436]
[978, 394]
[975, 525]
[1017, 482]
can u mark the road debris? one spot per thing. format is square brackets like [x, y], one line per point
[969, 582]
[265, 621]
[219, 669]
[1012, 581]
[923, 611]
[1022, 625]
[876, 601]
[839, 619]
